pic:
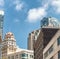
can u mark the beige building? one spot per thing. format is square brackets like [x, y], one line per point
[52, 50]
[32, 38]
[11, 51]
[49, 29]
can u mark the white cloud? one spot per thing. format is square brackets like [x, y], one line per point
[1, 2]
[56, 5]
[36, 14]
[19, 5]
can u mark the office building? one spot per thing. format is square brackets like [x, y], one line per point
[49, 28]
[52, 50]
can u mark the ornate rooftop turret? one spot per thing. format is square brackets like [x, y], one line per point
[9, 36]
[50, 22]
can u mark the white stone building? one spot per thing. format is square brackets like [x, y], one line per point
[11, 51]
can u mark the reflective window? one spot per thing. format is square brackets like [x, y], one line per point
[58, 41]
[24, 58]
[24, 55]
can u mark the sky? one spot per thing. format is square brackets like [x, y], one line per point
[23, 16]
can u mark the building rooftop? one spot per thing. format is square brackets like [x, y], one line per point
[50, 22]
[46, 34]
[9, 35]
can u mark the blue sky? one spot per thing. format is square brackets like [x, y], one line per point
[23, 16]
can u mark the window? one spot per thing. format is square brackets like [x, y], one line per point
[58, 54]
[31, 56]
[24, 58]
[50, 49]
[24, 55]
[58, 41]
[9, 57]
[12, 57]
[17, 56]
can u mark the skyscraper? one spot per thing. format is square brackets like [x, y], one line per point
[1, 22]
[1, 30]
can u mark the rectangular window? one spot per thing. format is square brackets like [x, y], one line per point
[31, 56]
[9, 57]
[58, 41]
[12, 57]
[58, 54]
[50, 49]
[16, 56]
[24, 55]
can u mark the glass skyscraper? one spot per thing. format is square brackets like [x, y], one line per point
[1, 30]
[1, 22]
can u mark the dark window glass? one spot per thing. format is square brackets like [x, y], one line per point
[50, 49]
[9, 57]
[12, 57]
[59, 55]
[24, 55]
[16, 56]
[58, 41]
[48, 52]
[31, 56]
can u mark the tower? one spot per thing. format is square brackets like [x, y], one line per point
[9, 45]
[1, 31]
[32, 38]
[1, 22]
